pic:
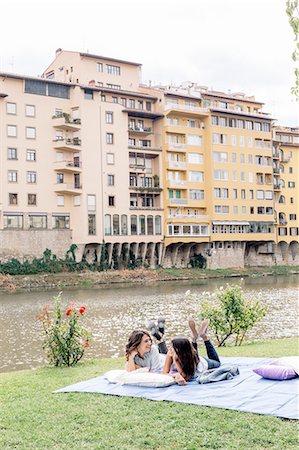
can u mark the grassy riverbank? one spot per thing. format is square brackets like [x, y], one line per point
[88, 279]
[34, 418]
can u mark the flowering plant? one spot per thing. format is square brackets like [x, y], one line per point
[65, 338]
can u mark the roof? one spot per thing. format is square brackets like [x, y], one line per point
[89, 55]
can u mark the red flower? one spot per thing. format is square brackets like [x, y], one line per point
[82, 309]
[68, 312]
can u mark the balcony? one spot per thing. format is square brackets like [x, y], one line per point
[179, 165]
[178, 201]
[189, 216]
[63, 122]
[71, 188]
[68, 166]
[183, 184]
[285, 159]
[276, 170]
[277, 187]
[146, 189]
[145, 148]
[187, 108]
[140, 130]
[69, 145]
[275, 155]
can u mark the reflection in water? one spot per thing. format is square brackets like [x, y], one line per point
[113, 312]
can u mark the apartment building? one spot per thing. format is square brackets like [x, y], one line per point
[286, 181]
[173, 175]
[81, 160]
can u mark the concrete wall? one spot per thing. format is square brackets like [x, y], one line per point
[32, 243]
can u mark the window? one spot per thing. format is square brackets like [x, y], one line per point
[30, 155]
[141, 224]
[195, 158]
[60, 221]
[107, 224]
[257, 126]
[131, 103]
[115, 224]
[220, 175]
[109, 117]
[91, 224]
[235, 210]
[133, 225]
[220, 157]
[196, 176]
[242, 141]
[91, 202]
[191, 123]
[194, 139]
[11, 130]
[290, 169]
[243, 194]
[11, 108]
[234, 175]
[293, 216]
[140, 104]
[124, 224]
[268, 195]
[13, 220]
[59, 178]
[291, 199]
[242, 176]
[12, 176]
[77, 200]
[158, 227]
[242, 158]
[243, 209]
[234, 140]
[109, 138]
[111, 200]
[12, 153]
[60, 200]
[110, 180]
[115, 99]
[103, 98]
[250, 159]
[221, 209]
[37, 221]
[13, 199]
[218, 138]
[30, 133]
[123, 101]
[88, 94]
[196, 194]
[291, 184]
[150, 225]
[113, 70]
[251, 194]
[148, 106]
[235, 193]
[250, 177]
[110, 158]
[220, 192]
[30, 110]
[31, 177]
[234, 157]
[99, 67]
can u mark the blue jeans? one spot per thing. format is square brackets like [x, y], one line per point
[213, 358]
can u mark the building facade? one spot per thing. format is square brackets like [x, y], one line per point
[172, 176]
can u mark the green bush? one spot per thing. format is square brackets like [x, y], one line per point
[231, 314]
[65, 338]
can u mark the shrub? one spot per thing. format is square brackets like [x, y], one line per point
[65, 338]
[231, 314]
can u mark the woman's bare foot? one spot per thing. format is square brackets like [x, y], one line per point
[193, 329]
[203, 329]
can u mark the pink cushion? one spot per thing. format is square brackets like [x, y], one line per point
[275, 372]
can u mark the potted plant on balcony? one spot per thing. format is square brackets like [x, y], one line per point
[156, 180]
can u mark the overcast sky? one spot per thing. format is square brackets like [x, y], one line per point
[237, 45]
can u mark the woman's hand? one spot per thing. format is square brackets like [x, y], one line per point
[180, 379]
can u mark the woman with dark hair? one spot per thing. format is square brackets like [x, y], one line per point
[141, 353]
[182, 359]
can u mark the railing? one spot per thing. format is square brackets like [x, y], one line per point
[187, 108]
[144, 147]
[188, 216]
[141, 129]
[177, 165]
[67, 186]
[177, 146]
[74, 141]
[177, 182]
[178, 201]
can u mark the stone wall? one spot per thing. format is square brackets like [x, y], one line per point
[226, 257]
[28, 244]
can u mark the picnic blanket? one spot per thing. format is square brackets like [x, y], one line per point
[246, 392]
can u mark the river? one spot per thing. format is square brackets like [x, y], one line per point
[113, 312]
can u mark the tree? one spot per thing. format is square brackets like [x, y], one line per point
[292, 10]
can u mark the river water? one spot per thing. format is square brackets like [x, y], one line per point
[113, 312]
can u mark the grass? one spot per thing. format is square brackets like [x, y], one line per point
[34, 418]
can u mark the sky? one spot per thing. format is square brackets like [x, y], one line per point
[226, 45]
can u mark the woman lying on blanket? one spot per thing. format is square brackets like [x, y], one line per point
[182, 360]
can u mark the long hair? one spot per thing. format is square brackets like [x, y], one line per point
[187, 356]
[134, 341]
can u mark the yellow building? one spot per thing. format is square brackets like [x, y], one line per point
[176, 175]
